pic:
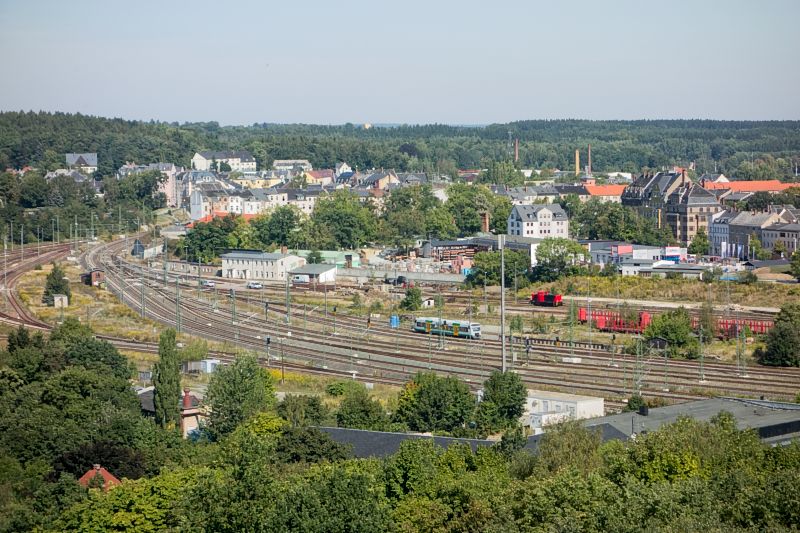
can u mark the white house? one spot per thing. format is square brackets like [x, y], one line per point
[242, 160]
[342, 168]
[86, 162]
[317, 273]
[254, 264]
[538, 221]
[292, 164]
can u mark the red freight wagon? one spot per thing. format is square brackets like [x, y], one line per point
[606, 320]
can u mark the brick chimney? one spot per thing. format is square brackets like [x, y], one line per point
[187, 399]
[485, 222]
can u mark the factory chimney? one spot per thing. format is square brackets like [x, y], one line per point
[516, 150]
[590, 160]
[577, 162]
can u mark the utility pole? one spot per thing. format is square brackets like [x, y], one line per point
[288, 302]
[177, 304]
[22, 242]
[233, 314]
[501, 245]
[141, 281]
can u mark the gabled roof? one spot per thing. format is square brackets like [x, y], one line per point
[531, 212]
[108, 479]
[88, 159]
[605, 190]
[748, 218]
[579, 190]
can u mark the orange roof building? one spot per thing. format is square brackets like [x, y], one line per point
[609, 193]
[773, 186]
[107, 480]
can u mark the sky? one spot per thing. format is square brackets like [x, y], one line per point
[432, 61]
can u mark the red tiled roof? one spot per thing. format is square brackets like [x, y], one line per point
[319, 174]
[752, 186]
[605, 190]
[108, 479]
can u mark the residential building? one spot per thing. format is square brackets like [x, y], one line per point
[263, 179]
[649, 192]
[771, 186]
[688, 209]
[319, 177]
[241, 160]
[342, 168]
[170, 172]
[538, 221]
[298, 165]
[747, 224]
[718, 235]
[85, 163]
[527, 195]
[255, 264]
[98, 477]
[786, 234]
[572, 190]
[380, 180]
[76, 176]
[605, 193]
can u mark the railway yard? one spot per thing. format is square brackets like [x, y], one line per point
[311, 335]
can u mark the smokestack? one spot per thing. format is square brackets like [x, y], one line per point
[187, 400]
[590, 160]
[577, 162]
[516, 150]
[485, 222]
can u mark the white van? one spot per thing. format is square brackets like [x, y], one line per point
[301, 278]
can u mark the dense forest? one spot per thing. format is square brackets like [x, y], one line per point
[259, 465]
[747, 150]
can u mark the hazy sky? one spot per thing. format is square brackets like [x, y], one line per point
[463, 62]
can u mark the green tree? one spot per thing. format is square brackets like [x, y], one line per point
[359, 411]
[314, 257]
[700, 244]
[412, 300]
[783, 340]
[167, 381]
[486, 268]
[557, 257]
[675, 327]
[351, 224]
[281, 224]
[507, 393]
[303, 410]
[758, 250]
[433, 403]
[235, 393]
[309, 445]
[55, 283]
[795, 265]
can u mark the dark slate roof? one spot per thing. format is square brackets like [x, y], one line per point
[86, 159]
[578, 190]
[528, 212]
[253, 255]
[314, 269]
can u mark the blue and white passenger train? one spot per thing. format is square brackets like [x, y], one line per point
[449, 328]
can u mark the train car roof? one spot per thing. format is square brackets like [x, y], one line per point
[446, 321]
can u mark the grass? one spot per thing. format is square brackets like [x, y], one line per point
[638, 288]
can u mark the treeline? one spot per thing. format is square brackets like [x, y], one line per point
[66, 403]
[60, 208]
[749, 150]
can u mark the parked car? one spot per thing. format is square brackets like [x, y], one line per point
[254, 285]
[207, 283]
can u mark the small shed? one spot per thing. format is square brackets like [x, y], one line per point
[317, 273]
[429, 302]
[60, 301]
[94, 277]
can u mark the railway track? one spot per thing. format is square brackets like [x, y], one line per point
[598, 375]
